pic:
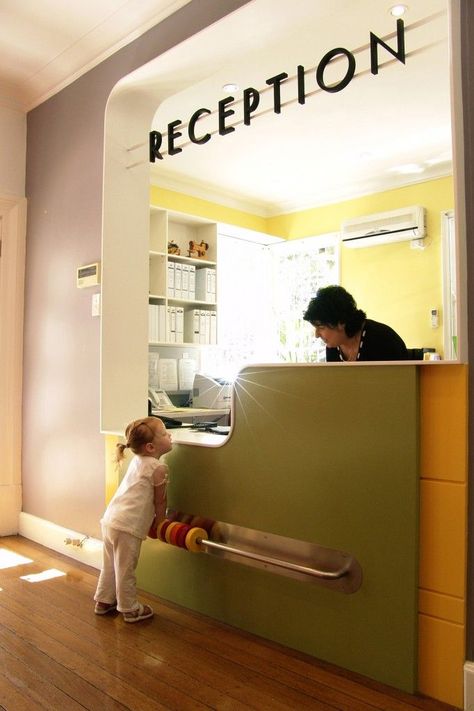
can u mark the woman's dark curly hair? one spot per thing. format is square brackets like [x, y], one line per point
[333, 305]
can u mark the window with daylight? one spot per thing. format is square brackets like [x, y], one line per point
[300, 268]
[244, 330]
[263, 292]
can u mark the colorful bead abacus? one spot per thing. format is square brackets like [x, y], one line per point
[183, 535]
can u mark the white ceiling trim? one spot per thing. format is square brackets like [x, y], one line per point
[207, 192]
[198, 189]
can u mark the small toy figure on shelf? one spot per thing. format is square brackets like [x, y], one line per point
[173, 248]
[197, 249]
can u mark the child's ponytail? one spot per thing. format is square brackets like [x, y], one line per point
[119, 451]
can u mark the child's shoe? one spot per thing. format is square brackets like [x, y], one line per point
[102, 608]
[142, 612]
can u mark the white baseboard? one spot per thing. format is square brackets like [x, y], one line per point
[53, 536]
[469, 686]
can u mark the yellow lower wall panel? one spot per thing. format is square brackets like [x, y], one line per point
[441, 660]
[443, 422]
[445, 607]
[443, 530]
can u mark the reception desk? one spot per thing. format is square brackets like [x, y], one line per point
[321, 455]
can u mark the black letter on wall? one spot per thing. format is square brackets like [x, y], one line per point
[276, 81]
[192, 122]
[155, 145]
[172, 134]
[223, 113]
[325, 61]
[399, 53]
[251, 101]
[301, 87]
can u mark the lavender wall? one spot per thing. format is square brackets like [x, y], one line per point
[63, 452]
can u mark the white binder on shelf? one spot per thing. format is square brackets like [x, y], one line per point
[153, 323]
[171, 324]
[213, 331]
[177, 281]
[162, 322]
[192, 325]
[192, 282]
[171, 279]
[185, 281]
[179, 324]
[202, 327]
[206, 284]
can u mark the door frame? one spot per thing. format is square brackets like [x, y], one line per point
[12, 279]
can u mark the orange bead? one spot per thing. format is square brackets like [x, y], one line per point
[169, 530]
[193, 539]
[174, 533]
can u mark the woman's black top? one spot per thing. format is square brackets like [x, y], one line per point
[378, 342]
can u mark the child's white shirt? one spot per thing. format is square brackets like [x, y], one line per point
[132, 507]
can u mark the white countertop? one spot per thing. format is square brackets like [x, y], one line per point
[186, 435]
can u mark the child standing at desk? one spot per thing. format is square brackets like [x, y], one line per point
[140, 499]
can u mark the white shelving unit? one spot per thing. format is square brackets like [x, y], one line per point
[170, 227]
[182, 286]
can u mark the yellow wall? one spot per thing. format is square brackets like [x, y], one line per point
[179, 202]
[392, 283]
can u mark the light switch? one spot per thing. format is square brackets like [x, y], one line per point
[96, 304]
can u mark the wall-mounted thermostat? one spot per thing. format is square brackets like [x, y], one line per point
[88, 275]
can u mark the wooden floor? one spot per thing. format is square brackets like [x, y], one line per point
[56, 654]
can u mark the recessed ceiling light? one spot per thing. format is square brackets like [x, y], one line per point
[230, 86]
[398, 10]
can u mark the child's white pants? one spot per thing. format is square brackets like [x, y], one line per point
[117, 580]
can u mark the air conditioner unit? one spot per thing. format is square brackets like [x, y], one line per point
[407, 223]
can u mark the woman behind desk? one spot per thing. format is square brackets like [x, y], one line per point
[347, 333]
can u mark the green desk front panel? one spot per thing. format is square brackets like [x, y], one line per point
[326, 454]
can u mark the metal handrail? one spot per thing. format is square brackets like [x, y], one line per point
[325, 574]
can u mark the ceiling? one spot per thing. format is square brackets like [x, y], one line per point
[46, 44]
[377, 133]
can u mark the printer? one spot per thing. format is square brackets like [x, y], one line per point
[212, 393]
